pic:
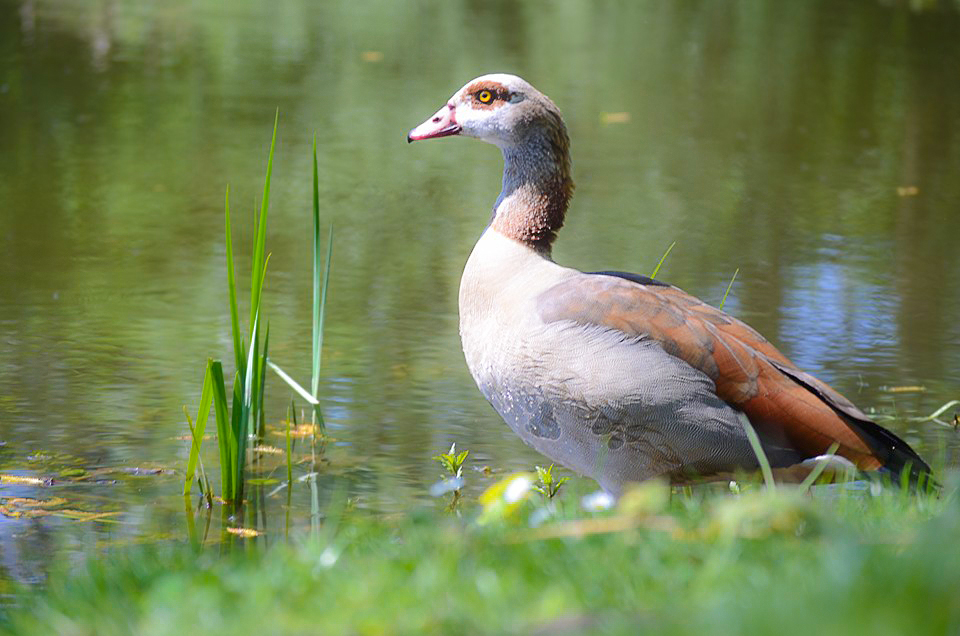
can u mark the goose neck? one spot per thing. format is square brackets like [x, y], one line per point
[536, 189]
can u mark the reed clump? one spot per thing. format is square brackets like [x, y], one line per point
[239, 413]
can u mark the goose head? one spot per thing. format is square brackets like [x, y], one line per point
[498, 108]
[506, 111]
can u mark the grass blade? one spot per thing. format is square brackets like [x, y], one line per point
[660, 262]
[940, 411]
[818, 469]
[758, 451]
[724, 301]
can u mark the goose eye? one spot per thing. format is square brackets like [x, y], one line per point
[485, 96]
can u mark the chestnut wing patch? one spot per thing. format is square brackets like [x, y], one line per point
[782, 402]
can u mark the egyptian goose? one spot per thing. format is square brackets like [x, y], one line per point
[618, 376]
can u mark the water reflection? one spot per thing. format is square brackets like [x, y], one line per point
[770, 137]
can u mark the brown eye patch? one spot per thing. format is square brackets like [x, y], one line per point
[488, 94]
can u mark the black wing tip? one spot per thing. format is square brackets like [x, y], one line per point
[634, 278]
[899, 459]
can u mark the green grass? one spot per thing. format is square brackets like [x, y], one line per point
[656, 269]
[761, 562]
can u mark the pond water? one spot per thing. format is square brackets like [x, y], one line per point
[815, 146]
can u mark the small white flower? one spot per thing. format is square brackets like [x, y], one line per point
[517, 489]
[328, 557]
[597, 501]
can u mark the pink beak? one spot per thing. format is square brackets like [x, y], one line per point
[442, 124]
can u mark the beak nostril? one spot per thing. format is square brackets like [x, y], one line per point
[436, 119]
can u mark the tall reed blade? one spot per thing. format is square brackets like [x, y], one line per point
[319, 290]
[236, 416]
[259, 246]
[243, 424]
[302, 392]
[321, 425]
[260, 429]
[291, 414]
[238, 351]
[203, 413]
[224, 434]
[315, 376]
[321, 317]
[292, 383]
[237, 422]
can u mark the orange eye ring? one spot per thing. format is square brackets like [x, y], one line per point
[485, 96]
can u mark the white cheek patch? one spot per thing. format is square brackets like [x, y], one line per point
[483, 123]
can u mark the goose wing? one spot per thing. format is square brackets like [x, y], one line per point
[786, 405]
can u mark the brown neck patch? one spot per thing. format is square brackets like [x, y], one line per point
[534, 212]
[537, 186]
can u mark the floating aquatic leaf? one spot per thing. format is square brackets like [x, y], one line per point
[141, 471]
[29, 507]
[82, 515]
[31, 502]
[267, 450]
[188, 438]
[614, 118]
[17, 513]
[24, 481]
[304, 430]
